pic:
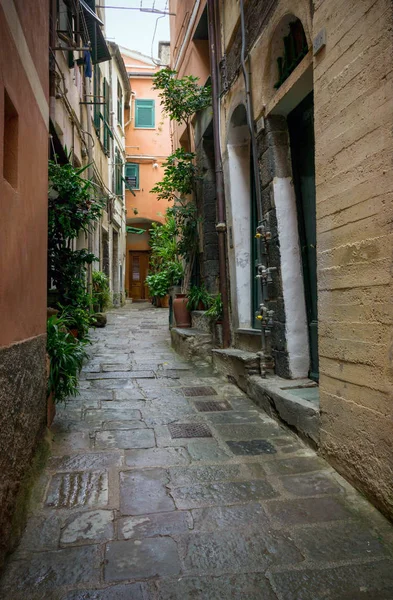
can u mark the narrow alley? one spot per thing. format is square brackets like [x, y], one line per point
[167, 482]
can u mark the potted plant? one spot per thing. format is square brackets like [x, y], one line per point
[100, 291]
[78, 319]
[158, 285]
[66, 355]
[198, 298]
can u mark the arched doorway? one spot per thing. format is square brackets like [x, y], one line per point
[301, 134]
[290, 111]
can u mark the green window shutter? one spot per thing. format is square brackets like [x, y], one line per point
[144, 113]
[97, 98]
[105, 111]
[132, 175]
[119, 103]
[118, 173]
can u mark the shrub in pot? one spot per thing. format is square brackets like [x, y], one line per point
[199, 298]
[79, 320]
[66, 355]
[101, 295]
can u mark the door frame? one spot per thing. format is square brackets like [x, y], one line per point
[144, 253]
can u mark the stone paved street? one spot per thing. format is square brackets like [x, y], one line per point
[131, 509]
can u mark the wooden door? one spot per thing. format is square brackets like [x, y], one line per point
[301, 131]
[138, 269]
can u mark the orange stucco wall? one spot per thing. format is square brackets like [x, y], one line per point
[140, 143]
[23, 223]
[150, 149]
[191, 59]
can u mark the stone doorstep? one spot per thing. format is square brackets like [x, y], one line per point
[273, 393]
[191, 343]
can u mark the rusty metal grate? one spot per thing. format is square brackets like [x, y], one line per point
[212, 405]
[251, 448]
[189, 430]
[199, 391]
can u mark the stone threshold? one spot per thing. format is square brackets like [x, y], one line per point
[293, 401]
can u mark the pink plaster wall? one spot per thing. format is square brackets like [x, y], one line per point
[23, 223]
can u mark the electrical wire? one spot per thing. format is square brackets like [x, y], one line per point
[157, 63]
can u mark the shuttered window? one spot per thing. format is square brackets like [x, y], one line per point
[118, 174]
[119, 103]
[132, 175]
[144, 114]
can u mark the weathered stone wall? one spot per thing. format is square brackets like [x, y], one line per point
[353, 94]
[274, 161]
[206, 201]
[22, 420]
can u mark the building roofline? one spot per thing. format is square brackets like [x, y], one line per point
[115, 51]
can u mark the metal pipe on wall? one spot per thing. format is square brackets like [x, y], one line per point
[262, 234]
[221, 216]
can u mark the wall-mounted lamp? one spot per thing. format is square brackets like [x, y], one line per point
[155, 165]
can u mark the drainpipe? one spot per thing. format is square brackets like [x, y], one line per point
[221, 217]
[90, 174]
[52, 63]
[262, 232]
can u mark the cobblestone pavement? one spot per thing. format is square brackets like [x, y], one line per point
[167, 483]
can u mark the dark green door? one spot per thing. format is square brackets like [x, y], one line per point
[301, 132]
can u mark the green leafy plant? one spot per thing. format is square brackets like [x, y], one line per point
[175, 272]
[216, 308]
[198, 295]
[66, 355]
[101, 292]
[72, 208]
[181, 97]
[77, 318]
[179, 176]
[158, 284]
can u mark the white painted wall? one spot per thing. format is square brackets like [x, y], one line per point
[292, 277]
[239, 179]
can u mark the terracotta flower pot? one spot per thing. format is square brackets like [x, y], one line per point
[182, 315]
[74, 332]
[50, 410]
[164, 301]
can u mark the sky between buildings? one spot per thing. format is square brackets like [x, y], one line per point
[135, 29]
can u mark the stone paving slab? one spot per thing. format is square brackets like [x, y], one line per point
[125, 439]
[252, 586]
[144, 492]
[137, 559]
[132, 591]
[125, 512]
[152, 525]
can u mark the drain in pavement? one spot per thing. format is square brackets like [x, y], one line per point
[189, 430]
[212, 406]
[199, 391]
[251, 448]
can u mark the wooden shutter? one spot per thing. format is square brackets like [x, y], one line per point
[144, 114]
[132, 175]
